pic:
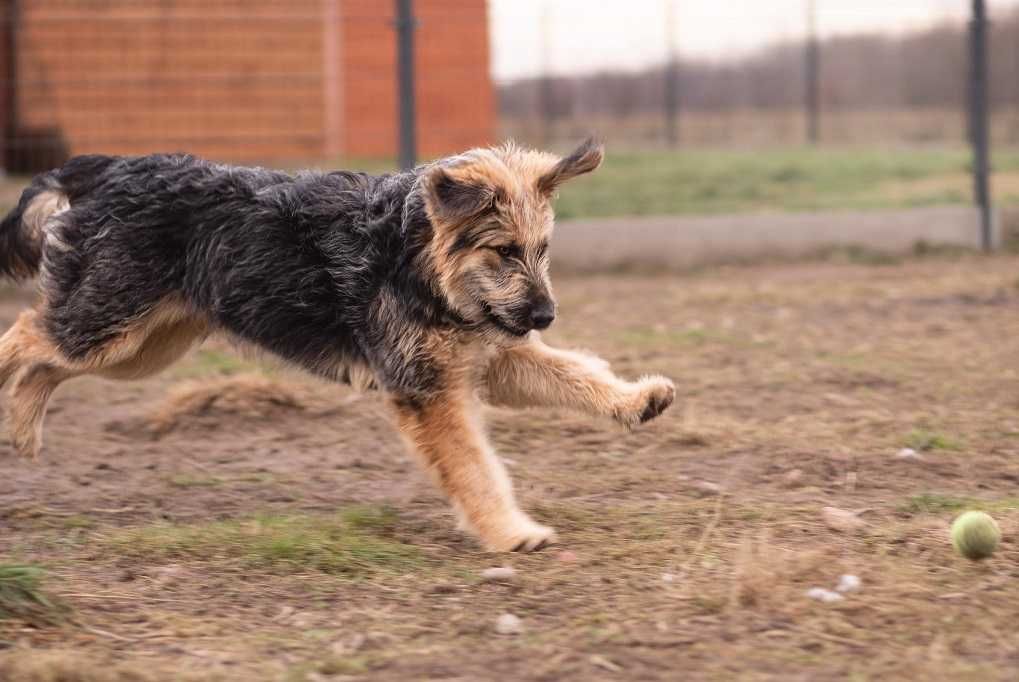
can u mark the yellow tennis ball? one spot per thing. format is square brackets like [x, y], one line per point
[975, 535]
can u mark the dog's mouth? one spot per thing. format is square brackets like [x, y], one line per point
[501, 324]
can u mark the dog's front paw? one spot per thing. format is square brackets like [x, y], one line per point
[522, 536]
[651, 396]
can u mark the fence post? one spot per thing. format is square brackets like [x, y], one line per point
[545, 90]
[671, 94]
[812, 73]
[978, 123]
[8, 81]
[405, 25]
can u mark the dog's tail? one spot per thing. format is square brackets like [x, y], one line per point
[21, 234]
[22, 231]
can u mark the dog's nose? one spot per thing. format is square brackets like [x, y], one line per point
[542, 315]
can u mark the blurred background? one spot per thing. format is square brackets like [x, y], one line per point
[707, 108]
[789, 222]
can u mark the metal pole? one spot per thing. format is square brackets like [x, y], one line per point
[978, 123]
[9, 127]
[671, 108]
[812, 73]
[405, 25]
[545, 91]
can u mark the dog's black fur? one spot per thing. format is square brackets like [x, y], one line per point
[292, 263]
[426, 284]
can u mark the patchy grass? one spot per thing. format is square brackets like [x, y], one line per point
[340, 667]
[23, 598]
[356, 542]
[721, 181]
[936, 503]
[694, 336]
[923, 440]
[64, 665]
[192, 481]
[207, 362]
[687, 544]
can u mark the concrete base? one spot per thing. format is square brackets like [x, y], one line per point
[687, 241]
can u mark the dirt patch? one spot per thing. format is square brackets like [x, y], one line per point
[198, 405]
[232, 526]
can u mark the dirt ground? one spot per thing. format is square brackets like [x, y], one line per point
[227, 521]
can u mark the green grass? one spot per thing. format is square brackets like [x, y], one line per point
[923, 440]
[935, 503]
[211, 362]
[22, 596]
[706, 181]
[356, 542]
[794, 179]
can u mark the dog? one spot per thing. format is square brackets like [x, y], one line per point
[430, 285]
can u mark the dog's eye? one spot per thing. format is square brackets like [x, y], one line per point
[507, 251]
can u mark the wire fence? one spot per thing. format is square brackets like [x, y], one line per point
[864, 88]
[302, 81]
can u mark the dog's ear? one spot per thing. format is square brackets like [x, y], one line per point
[453, 198]
[584, 159]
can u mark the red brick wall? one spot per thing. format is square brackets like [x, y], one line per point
[454, 91]
[248, 79]
[223, 79]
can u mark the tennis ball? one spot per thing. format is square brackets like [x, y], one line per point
[975, 535]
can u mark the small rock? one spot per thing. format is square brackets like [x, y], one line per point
[908, 453]
[849, 583]
[668, 577]
[442, 588]
[604, 663]
[345, 647]
[284, 613]
[508, 624]
[498, 574]
[842, 520]
[707, 488]
[793, 479]
[821, 594]
[567, 556]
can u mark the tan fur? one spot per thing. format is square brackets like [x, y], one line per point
[447, 435]
[144, 347]
[493, 277]
[525, 215]
[535, 375]
[41, 209]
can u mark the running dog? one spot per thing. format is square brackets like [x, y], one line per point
[430, 285]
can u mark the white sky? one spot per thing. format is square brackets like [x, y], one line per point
[586, 35]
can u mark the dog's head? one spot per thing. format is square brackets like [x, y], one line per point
[491, 215]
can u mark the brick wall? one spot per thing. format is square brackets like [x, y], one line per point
[454, 93]
[269, 80]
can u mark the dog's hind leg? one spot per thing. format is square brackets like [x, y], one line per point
[28, 400]
[27, 355]
[19, 345]
[142, 348]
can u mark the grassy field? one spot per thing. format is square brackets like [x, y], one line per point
[223, 523]
[699, 180]
[793, 179]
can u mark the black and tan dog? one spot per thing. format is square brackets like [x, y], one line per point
[428, 285]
